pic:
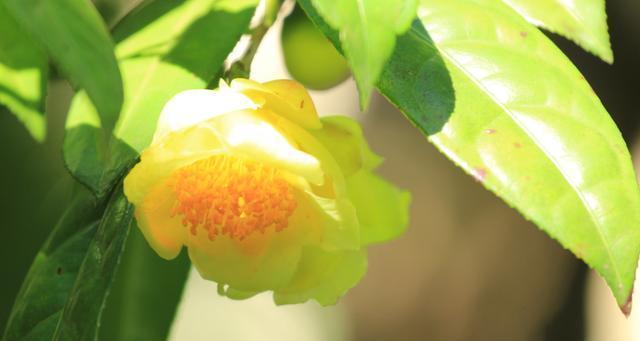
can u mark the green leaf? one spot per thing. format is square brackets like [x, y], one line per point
[78, 41]
[163, 48]
[368, 30]
[501, 101]
[145, 295]
[43, 294]
[79, 320]
[65, 289]
[23, 75]
[583, 21]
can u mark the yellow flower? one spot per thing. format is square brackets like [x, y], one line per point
[264, 193]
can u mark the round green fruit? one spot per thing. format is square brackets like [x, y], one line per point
[309, 56]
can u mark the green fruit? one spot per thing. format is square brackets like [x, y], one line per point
[309, 56]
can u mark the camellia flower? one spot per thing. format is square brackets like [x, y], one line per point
[264, 193]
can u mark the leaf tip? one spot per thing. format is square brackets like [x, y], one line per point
[38, 130]
[365, 98]
[607, 57]
[364, 91]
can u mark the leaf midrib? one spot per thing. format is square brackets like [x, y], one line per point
[364, 23]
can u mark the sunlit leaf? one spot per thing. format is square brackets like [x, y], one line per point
[368, 30]
[23, 75]
[145, 294]
[501, 101]
[162, 48]
[77, 40]
[583, 21]
[66, 287]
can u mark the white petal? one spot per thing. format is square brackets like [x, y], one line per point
[194, 106]
[248, 134]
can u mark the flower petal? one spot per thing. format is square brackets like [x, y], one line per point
[345, 230]
[260, 261]
[285, 97]
[382, 208]
[194, 106]
[175, 150]
[344, 138]
[234, 294]
[165, 234]
[247, 133]
[323, 276]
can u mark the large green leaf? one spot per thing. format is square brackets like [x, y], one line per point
[78, 41]
[65, 289]
[368, 30]
[23, 75]
[163, 48]
[499, 99]
[81, 314]
[146, 292]
[583, 21]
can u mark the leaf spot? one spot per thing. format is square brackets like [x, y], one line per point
[479, 174]
[626, 308]
[489, 131]
[59, 271]
[523, 34]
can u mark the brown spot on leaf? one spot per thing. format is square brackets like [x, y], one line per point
[626, 307]
[479, 174]
[523, 34]
[301, 104]
[489, 131]
[517, 145]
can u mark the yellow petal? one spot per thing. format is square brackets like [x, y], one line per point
[343, 137]
[165, 234]
[323, 276]
[175, 150]
[260, 261]
[243, 133]
[345, 230]
[284, 97]
[383, 209]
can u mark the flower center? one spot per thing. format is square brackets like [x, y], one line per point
[235, 197]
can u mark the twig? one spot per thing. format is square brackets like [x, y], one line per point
[242, 67]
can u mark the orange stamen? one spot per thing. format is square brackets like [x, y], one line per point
[235, 197]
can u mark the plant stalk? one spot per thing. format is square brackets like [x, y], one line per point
[242, 67]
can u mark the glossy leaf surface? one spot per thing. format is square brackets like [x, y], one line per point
[78, 41]
[79, 320]
[501, 101]
[368, 31]
[23, 75]
[163, 48]
[583, 21]
[65, 289]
